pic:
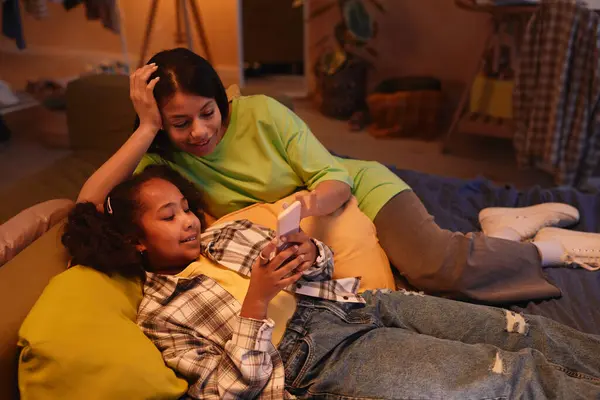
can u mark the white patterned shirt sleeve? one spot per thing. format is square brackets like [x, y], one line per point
[197, 327]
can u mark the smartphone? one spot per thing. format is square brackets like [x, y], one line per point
[288, 221]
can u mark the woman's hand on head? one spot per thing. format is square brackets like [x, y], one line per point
[270, 276]
[142, 95]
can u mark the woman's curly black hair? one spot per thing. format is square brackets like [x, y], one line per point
[107, 241]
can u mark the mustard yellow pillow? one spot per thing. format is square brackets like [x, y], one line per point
[349, 232]
[80, 341]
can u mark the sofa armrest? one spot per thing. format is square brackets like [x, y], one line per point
[23, 229]
[22, 280]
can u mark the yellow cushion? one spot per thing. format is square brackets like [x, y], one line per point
[348, 231]
[80, 341]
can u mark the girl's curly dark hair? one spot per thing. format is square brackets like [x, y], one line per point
[107, 242]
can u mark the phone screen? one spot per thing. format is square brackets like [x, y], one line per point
[288, 221]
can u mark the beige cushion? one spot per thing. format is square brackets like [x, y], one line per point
[24, 228]
[348, 231]
[52, 129]
[100, 115]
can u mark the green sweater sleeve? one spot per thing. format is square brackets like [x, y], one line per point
[309, 159]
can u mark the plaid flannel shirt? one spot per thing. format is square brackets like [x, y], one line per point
[196, 324]
[556, 100]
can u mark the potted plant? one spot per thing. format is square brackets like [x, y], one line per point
[344, 57]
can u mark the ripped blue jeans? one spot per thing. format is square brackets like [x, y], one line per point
[404, 345]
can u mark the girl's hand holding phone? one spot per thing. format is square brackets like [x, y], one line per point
[306, 247]
[270, 276]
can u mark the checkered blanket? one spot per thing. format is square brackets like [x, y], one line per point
[557, 92]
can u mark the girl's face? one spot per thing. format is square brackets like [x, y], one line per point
[171, 229]
[193, 123]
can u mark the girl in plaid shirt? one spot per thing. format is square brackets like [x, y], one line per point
[375, 345]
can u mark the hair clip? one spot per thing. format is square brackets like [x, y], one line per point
[108, 206]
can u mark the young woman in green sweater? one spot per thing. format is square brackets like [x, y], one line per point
[253, 149]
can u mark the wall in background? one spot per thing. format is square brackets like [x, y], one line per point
[70, 33]
[272, 32]
[418, 37]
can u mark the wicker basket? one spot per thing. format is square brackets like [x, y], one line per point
[405, 113]
[341, 94]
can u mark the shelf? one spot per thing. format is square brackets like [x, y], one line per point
[25, 101]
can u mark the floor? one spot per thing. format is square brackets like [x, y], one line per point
[470, 156]
[26, 153]
[24, 156]
[293, 86]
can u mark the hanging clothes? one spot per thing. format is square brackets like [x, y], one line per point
[12, 26]
[69, 4]
[104, 10]
[557, 92]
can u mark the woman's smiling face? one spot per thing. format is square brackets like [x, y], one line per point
[193, 123]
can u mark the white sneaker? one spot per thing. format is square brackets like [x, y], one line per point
[523, 223]
[580, 248]
[7, 97]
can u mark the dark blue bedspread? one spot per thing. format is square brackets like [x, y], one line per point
[455, 204]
